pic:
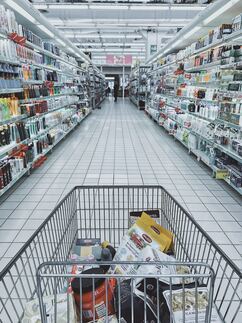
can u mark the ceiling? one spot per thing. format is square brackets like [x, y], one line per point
[120, 27]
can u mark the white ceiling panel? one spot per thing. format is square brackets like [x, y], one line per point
[106, 27]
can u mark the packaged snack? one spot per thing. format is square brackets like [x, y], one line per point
[88, 247]
[149, 254]
[190, 300]
[32, 312]
[135, 215]
[144, 232]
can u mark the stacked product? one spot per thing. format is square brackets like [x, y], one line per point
[44, 95]
[201, 88]
[138, 86]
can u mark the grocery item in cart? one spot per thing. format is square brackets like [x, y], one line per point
[109, 319]
[126, 296]
[32, 310]
[194, 305]
[144, 232]
[135, 215]
[94, 304]
[88, 247]
[149, 254]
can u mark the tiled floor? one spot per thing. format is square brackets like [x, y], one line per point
[121, 145]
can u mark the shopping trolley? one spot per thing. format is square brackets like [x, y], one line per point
[41, 268]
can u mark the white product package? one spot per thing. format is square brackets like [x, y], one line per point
[149, 254]
[110, 319]
[190, 305]
[32, 311]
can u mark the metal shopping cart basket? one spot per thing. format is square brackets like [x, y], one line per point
[41, 268]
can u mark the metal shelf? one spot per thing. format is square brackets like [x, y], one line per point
[13, 119]
[6, 91]
[14, 180]
[27, 170]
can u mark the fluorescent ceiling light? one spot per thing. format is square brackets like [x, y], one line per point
[220, 11]
[177, 43]
[61, 42]
[149, 7]
[102, 35]
[20, 10]
[187, 8]
[46, 30]
[110, 7]
[40, 6]
[67, 6]
[191, 32]
[125, 20]
[134, 36]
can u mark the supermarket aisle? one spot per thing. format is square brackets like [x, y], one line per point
[120, 145]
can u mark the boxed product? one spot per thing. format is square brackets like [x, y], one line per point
[87, 247]
[144, 232]
[32, 311]
[190, 299]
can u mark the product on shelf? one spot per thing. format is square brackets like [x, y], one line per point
[196, 96]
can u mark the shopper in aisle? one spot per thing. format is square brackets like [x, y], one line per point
[115, 91]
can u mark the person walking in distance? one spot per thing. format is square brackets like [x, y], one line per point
[115, 91]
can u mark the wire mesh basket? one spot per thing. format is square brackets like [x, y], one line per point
[103, 212]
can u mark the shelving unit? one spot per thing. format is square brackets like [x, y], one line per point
[54, 96]
[192, 100]
[138, 86]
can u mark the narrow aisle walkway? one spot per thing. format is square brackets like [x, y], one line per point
[120, 145]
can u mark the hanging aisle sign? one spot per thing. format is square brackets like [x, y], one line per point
[119, 60]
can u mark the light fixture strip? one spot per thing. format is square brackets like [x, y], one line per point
[20, 10]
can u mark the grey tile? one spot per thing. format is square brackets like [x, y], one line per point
[20, 214]
[3, 248]
[215, 207]
[222, 216]
[13, 224]
[232, 251]
[29, 205]
[39, 214]
[220, 238]
[236, 215]
[196, 207]
[202, 216]
[226, 200]
[16, 198]
[234, 208]
[235, 237]
[24, 235]
[5, 213]
[46, 205]
[230, 226]
[209, 200]
[8, 205]
[8, 235]
[210, 226]
[32, 224]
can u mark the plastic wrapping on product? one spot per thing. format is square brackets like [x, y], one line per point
[32, 310]
[144, 232]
